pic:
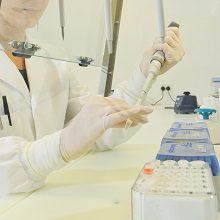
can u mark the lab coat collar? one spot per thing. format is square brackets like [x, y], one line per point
[11, 75]
[36, 74]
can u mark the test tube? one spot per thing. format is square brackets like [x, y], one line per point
[62, 16]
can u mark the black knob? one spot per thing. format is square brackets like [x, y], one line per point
[186, 93]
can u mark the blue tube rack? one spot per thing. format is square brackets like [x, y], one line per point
[190, 151]
[189, 141]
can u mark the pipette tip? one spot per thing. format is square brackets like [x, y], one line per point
[128, 124]
[62, 28]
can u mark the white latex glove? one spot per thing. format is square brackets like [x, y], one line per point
[172, 48]
[95, 117]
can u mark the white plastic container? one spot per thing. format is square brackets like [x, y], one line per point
[174, 191]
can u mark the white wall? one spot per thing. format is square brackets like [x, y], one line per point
[199, 23]
[84, 28]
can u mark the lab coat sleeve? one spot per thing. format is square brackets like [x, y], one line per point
[24, 165]
[128, 91]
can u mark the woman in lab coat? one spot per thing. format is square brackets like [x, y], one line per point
[47, 117]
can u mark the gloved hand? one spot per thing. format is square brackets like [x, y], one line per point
[172, 48]
[95, 117]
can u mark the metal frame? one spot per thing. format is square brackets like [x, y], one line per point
[108, 62]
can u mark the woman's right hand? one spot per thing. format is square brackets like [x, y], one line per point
[172, 48]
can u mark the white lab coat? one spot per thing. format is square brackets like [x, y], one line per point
[39, 115]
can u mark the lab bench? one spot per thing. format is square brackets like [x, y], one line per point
[96, 186]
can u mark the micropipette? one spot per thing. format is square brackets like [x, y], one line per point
[156, 61]
[62, 16]
[155, 65]
[108, 24]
